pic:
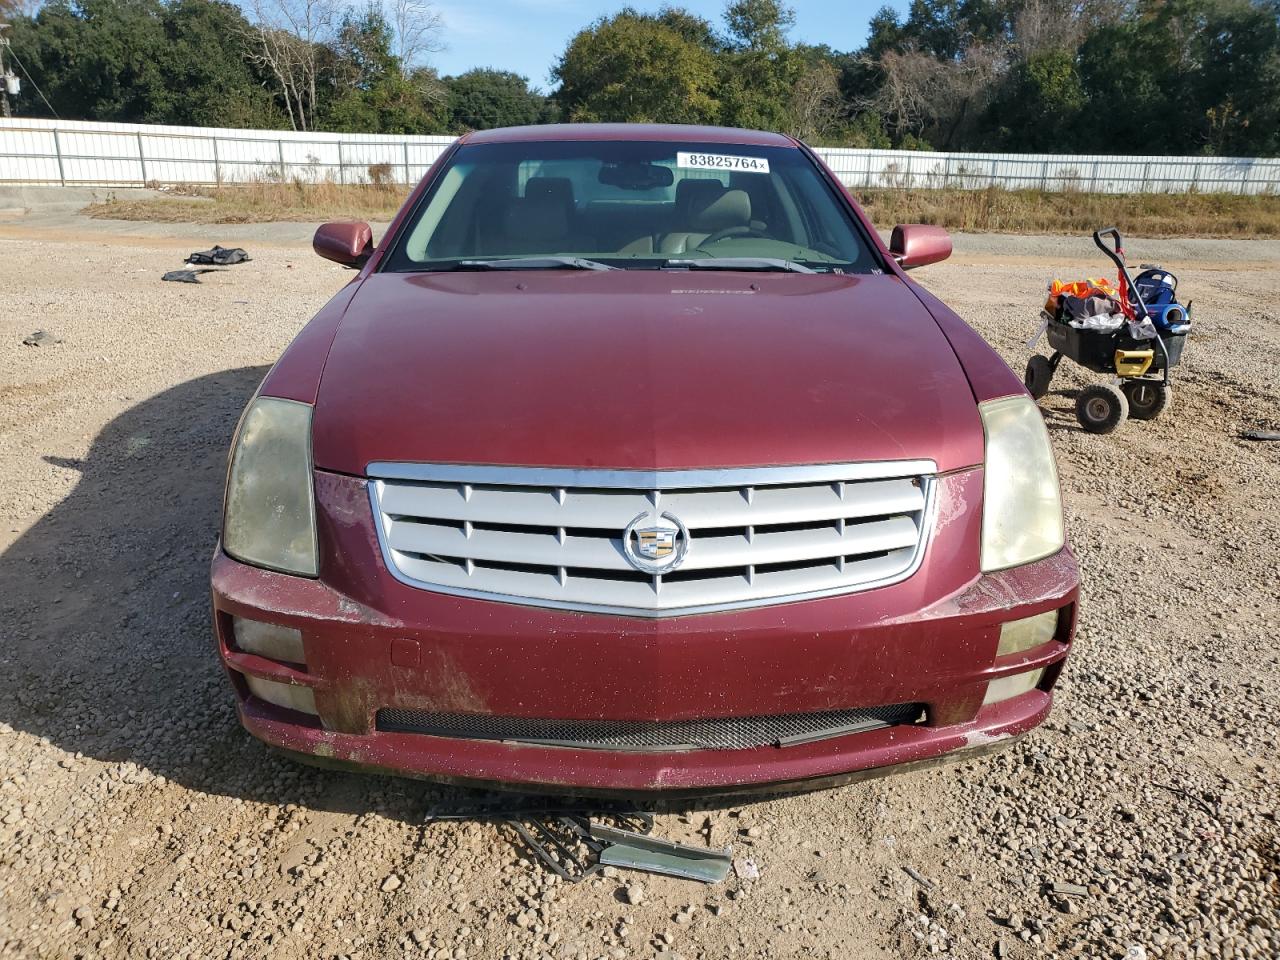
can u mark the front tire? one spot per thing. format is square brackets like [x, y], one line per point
[1038, 376]
[1101, 408]
[1147, 398]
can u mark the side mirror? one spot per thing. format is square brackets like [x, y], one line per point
[917, 244]
[344, 242]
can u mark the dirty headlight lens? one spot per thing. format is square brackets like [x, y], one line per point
[1022, 508]
[1018, 636]
[269, 514]
[1006, 688]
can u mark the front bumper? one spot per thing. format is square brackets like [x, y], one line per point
[374, 643]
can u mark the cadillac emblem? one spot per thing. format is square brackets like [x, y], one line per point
[655, 544]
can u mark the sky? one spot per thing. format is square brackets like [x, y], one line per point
[527, 36]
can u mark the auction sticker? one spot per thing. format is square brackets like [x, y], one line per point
[721, 161]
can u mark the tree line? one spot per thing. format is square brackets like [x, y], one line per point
[1057, 76]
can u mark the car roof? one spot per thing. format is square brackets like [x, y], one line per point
[663, 132]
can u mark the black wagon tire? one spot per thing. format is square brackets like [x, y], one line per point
[1101, 407]
[1038, 376]
[1147, 398]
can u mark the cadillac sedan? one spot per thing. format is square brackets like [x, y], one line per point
[631, 460]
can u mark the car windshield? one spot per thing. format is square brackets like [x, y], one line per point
[631, 205]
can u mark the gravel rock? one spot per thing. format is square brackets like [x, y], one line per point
[128, 790]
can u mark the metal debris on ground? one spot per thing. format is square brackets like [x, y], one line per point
[919, 878]
[187, 276]
[1260, 435]
[637, 851]
[39, 337]
[219, 256]
[1069, 889]
[575, 844]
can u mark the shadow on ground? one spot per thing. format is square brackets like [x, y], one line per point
[105, 641]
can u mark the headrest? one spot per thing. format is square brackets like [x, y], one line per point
[691, 192]
[730, 209]
[559, 189]
[536, 218]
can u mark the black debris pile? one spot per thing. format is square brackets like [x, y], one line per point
[208, 260]
[218, 256]
[187, 276]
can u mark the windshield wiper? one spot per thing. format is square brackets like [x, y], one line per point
[765, 264]
[532, 263]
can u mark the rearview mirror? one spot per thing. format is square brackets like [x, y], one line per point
[917, 244]
[347, 243]
[636, 175]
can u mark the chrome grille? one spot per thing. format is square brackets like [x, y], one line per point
[732, 733]
[556, 537]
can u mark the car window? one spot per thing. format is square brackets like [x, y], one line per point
[634, 205]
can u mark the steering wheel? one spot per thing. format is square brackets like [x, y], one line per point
[739, 231]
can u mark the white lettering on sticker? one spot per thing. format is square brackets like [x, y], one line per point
[720, 161]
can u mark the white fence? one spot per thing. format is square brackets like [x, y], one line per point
[122, 154]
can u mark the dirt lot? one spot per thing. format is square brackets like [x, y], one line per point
[137, 819]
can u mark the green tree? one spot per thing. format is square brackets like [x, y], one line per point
[1187, 76]
[760, 69]
[141, 61]
[484, 98]
[635, 67]
[759, 24]
[208, 70]
[375, 95]
[96, 60]
[1040, 104]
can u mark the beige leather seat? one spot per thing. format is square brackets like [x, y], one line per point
[709, 210]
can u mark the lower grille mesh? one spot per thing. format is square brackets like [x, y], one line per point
[731, 733]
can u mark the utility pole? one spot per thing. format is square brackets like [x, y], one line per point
[8, 80]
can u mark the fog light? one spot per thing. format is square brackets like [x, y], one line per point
[291, 696]
[1008, 687]
[1019, 635]
[269, 640]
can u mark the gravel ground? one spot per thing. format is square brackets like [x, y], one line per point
[137, 819]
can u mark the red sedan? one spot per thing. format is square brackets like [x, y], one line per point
[631, 460]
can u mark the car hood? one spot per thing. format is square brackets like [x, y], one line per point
[641, 370]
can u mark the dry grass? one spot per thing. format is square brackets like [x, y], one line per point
[1030, 211]
[259, 203]
[979, 211]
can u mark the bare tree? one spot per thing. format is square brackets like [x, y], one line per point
[418, 27]
[15, 8]
[815, 106]
[923, 93]
[287, 39]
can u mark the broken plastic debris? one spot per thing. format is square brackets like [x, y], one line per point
[39, 337]
[563, 839]
[746, 869]
[637, 851]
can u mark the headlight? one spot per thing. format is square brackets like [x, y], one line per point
[269, 517]
[1022, 506]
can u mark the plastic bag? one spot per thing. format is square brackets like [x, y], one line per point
[1142, 329]
[1100, 322]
